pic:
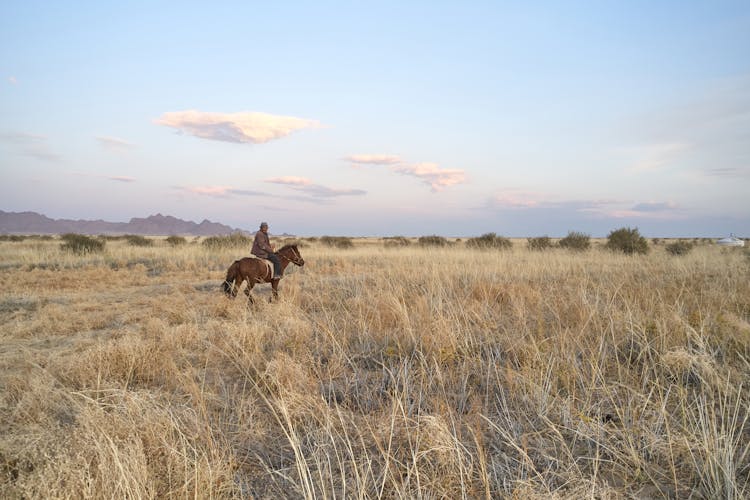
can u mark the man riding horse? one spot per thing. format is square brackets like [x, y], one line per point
[262, 248]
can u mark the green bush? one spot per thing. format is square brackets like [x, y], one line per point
[396, 242]
[138, 241]
[576, 241]
[432, 241]
[234, 240]
[679, 248]
[489, 240]
[540, 243]
[337, 241]
[627, 240]
[81, 244]
[176, 241]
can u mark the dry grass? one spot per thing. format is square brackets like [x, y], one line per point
[410, 372]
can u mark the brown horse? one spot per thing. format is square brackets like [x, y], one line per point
[254, 270]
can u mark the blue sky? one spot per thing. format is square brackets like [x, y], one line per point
[413, 118]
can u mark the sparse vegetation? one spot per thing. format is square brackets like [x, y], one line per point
[432, 241]
[488, 241]
[138, 241]
[12, 237]
[176, 241]
[679, 248]
[400, 374]
[396, 242]
[577, 241]
[81, 244]
[540, 243]
[234, 240]
[627, 240]
[337, 241]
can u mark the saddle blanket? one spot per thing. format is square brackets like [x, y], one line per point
[267, 262]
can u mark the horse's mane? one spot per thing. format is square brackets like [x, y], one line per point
[286, 247]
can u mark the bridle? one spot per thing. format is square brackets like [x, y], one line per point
[297, 260]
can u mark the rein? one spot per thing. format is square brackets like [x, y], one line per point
[296, 256]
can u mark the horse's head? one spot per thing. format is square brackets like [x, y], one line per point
[291, 253]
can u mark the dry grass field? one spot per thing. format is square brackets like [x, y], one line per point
[381, 372]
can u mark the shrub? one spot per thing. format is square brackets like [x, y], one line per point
[293, 241]
[396, 242]
[138, 241]
[337, 241]
[627, 240]
[234, 240]
[81, 244]
[540, 243]
[12, 237]
[576, 241]
[432, 241]
[489, 240]
[176, 241]
[679, 248]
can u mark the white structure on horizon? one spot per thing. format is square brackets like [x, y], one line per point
[731, 241]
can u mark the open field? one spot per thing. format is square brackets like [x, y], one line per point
[402, 372]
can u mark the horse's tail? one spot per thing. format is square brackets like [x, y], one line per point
[232, 272]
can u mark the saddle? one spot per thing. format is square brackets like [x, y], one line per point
[267, 262]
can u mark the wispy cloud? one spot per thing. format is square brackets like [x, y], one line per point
[727, 172]
[437, 178]
[32, 145]
[241, 127]
[374, 159]
[529, 201]
[12, 80]
[655, 156]
[116, 178]
[289, 180]
[219, 191]
[655, 206]
[304, 185]
[430, 173]
[114, 143]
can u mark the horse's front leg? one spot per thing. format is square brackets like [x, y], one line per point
[274, 290]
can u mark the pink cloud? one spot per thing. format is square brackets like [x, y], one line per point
[121, 178]
[289, 180]
[430, 173]
[242, 127]
[219, 191]
[305, 185]
[374, 159]
[516, 199]
[438, 178]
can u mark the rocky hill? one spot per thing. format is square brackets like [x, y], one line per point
[34, 223]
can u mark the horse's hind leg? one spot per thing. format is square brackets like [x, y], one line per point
[230, 288]
[249, 287]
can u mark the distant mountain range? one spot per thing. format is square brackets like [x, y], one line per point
[34, 223]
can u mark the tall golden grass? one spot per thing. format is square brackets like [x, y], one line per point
[403, 372]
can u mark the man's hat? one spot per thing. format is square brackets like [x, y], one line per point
[263, 224]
